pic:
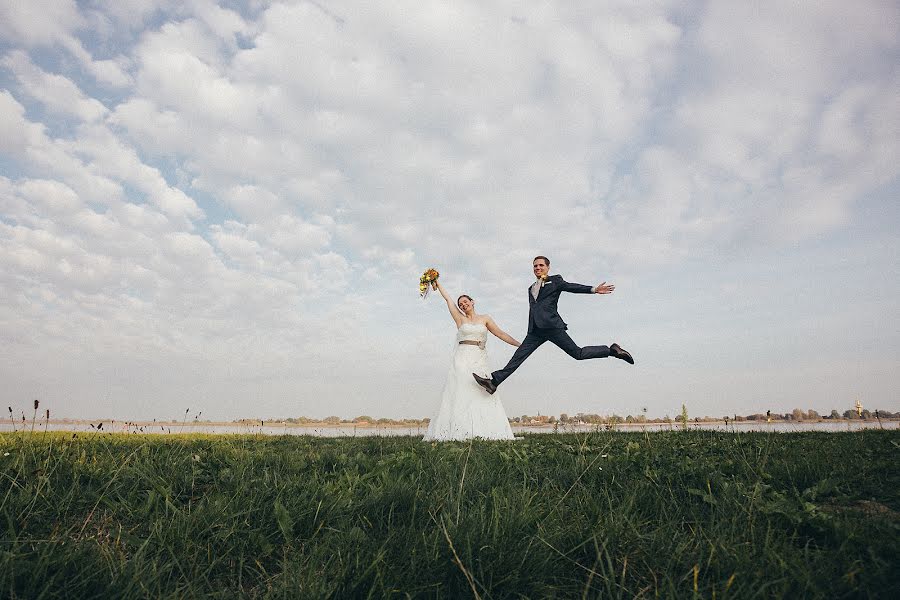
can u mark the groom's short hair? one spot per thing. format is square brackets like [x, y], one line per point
[543, 258]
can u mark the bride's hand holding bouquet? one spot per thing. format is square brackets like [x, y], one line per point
[428, 280]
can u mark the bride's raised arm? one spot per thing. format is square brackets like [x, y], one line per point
[454, 310]
[492, 327]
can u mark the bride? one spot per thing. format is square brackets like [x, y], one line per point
[466, 411]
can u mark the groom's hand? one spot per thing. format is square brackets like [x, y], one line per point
[604, 288]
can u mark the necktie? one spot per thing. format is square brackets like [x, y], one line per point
[536, 289]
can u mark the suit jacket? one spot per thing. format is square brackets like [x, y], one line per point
[543, 313]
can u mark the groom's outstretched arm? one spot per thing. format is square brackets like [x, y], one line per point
[578, 288]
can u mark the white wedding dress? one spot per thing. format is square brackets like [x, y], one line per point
[467, 411]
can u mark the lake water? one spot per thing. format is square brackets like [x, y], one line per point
[351, 431]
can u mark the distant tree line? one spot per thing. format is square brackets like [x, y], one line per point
[592, 418]
[811, 415]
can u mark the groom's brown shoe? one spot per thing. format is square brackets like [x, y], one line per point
[486, 383]
[618, 352]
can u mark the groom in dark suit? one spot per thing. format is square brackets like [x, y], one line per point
[545, 324]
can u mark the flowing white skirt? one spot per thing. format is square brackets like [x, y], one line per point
[467, 411]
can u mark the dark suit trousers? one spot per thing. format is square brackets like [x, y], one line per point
[534, 340]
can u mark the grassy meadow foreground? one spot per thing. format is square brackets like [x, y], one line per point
[611, 514]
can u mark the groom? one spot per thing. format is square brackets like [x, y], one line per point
[545, 324]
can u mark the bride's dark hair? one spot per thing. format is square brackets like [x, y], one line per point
[461, 297]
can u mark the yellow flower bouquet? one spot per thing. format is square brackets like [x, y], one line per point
[428, 280]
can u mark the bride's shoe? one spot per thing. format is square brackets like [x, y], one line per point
[487, 384]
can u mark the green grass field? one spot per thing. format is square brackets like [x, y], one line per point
[606, 514]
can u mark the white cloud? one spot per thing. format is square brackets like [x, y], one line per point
[180, 67]
[112, 158]
[39, 21]
[15, 131]
[237, 247]
[26, 141]
[111, 72]
[253, 203]
[224, 23]
[791, 46]
[160, 132]
[746, 132]
[56, 92]
[130, 13]
[840, 133]
[52, 22]
[51, 197]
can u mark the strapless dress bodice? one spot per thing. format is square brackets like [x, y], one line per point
[475, 332]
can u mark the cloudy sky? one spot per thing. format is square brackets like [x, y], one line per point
[226, 207]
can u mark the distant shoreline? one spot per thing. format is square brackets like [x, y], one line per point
[413, 424]
[275, 428]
